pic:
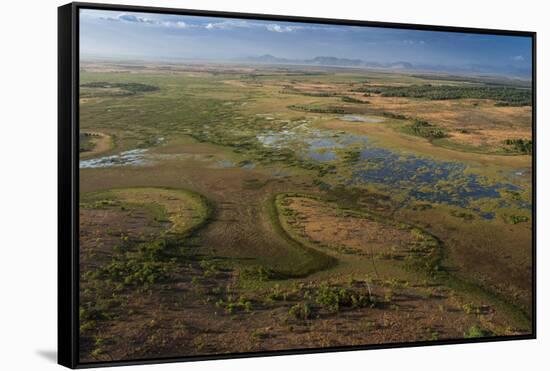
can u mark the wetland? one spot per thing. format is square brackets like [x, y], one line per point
[299, 207]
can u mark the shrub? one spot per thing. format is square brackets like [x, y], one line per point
[515, 219]
[477, 332]
[354, 100]
[301, 311]
[298, 107]
[231, 307]
[130, 88]
[505, 96]
[426, 130]
[258, 273]
[333, 298]
[520, 145]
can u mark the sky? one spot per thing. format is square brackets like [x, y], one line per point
[152, 36]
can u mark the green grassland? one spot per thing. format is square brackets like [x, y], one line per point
[201, 217]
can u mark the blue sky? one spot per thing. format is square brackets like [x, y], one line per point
[161, 36]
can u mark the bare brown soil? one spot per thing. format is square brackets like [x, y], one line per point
[102, 143]
[184, 317]
[224, 281]
[101, 231]
[325, 224]
[474, 122]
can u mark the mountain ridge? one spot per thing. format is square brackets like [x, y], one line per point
[331, 61]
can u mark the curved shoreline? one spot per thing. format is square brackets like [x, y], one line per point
[102, 143]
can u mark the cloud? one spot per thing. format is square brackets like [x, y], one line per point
[136, 19]
[234, 24]
[413, 42]
[130, 18]
[226, 25]
[178, 24]
[518, 58]
[222, 25]
[278, 28]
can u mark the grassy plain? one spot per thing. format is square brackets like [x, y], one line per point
[298, 207]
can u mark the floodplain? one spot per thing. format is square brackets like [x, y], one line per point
[295, 207]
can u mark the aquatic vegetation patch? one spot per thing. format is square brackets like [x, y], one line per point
[425, 179]
[420, 178]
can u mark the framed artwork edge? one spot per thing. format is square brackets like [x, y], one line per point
[68, 182]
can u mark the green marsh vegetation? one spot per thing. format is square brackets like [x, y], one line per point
[114, 89]
[520, 145]
[424, 129]
[194, 251]
[505, 96]
[86, 143]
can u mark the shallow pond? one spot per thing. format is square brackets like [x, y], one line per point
[225, 164]
[134, 157]
[356, 118]
[420, 178]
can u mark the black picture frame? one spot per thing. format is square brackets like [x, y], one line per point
[68, 180]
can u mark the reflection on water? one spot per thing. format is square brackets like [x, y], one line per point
[321, 149]
[225, 164]
[247, 164]
[309, 143]
[421, 178]
[356, 118]
[321, 156]
[425, 179]
[133, 157]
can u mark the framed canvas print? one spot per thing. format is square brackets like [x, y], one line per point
[235, 185]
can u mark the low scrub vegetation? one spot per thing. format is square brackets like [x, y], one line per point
[301, 311]
[524, 146]
[312, 109]
[334, 298]
[149, 263]
[424, 129]
[477, 332]
[127, 88]
[354, 100]
[505, 96]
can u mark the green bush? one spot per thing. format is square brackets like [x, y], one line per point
[258, 273]
[506, 96]
[130, 88]
[520, 145]
[354, 100]
[515, 219]
[426, 130]
[312, 109]
[301, 311]
[334, 298]
[477, 332]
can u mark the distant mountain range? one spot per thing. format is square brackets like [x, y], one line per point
[510, 71]
[329, 61]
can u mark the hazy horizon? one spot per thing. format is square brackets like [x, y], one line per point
[148, 36]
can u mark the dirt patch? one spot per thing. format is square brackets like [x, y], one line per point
[151, 292]
[325, 223]
[102, 229]
[101, 143]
